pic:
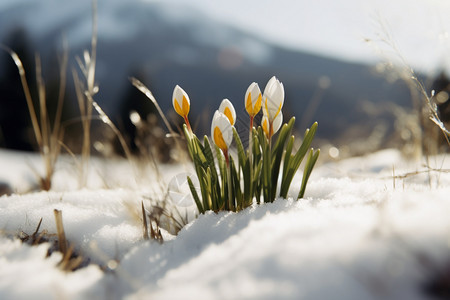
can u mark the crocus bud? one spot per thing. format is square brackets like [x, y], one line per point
[265, 124]
[221, 131]
[228, 110]
[181, 102]
[273, 98]
[253, 99]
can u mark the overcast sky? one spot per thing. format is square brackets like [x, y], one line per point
[419, 28]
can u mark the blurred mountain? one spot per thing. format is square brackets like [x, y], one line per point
[166, 44]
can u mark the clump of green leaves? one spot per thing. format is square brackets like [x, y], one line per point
[263, 171]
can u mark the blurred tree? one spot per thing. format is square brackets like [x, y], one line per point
[15, 121]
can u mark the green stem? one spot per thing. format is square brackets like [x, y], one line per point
[229, 183]
[269, 187]
[270, 131]
[186, 120]
[250, 156]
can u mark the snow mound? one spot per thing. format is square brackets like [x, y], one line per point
[25, 273]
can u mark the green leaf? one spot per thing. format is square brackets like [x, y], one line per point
[285, 181]
[211, 163]
[257, 182]
[240, 148]
[188, 141]
[285, 131]
[236, 186]
[266, 173]
[244, 165]
[209, 202]
[277, 154]
[310, 162]
[195, 196]
[204, 188]
[309, 135]
[207, 151]
[197, 150]
[248, 183]
[256, 147]
[296, 160]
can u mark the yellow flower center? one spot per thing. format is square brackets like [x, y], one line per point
[278, 111]
[253, 110]
[229, 115]
[218, 139]
[184, 109]
[248, 104]
[268, 112]
[265, 127]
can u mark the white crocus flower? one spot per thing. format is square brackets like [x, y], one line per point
[181, 104]
[273, 99]
[221, 131]
[253, 99]
[275, 125]
[222, 135]
[226, 107]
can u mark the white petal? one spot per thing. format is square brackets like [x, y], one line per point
[277, 122]
[255, 91]
[227, 104]
[221, 121]
[178, 94]
[269, 84]
[273, 98]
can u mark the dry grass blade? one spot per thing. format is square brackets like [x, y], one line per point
[411, 79]
[35, 236]
[86, 102]
[62, 242]
[26, 89]
[105, 119]
[85, 94]
[91, 69]
[144, 222]
[441, 125]
[143, 89]
[428, 170]
[155, 220]
[47, 135]
[63, 61]
[42, 105]
[71, 260]
[86, 117]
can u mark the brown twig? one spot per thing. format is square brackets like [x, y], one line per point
[62, 242]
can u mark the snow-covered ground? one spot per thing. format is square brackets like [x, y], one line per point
[358, 234]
